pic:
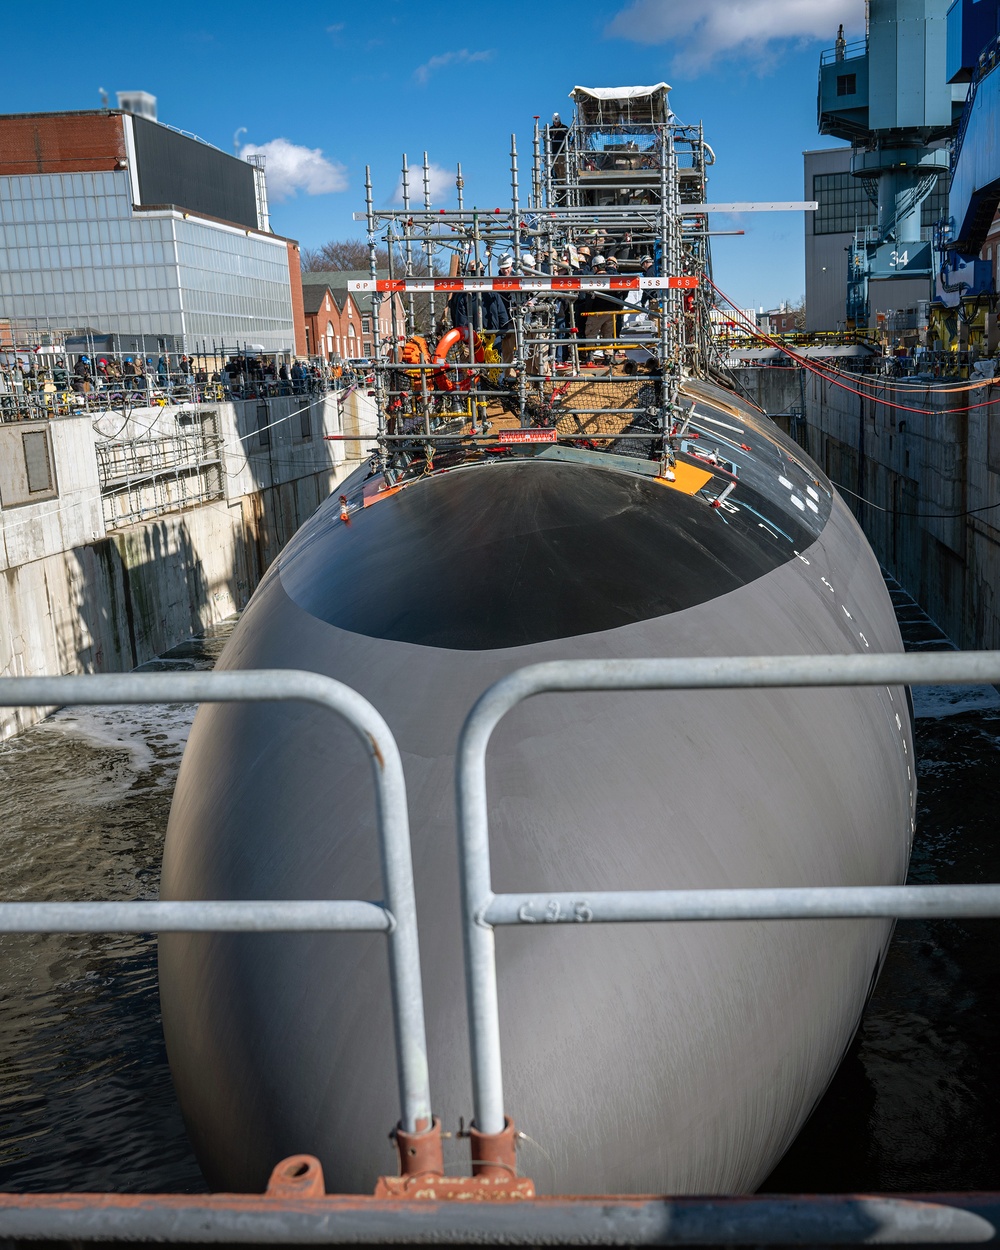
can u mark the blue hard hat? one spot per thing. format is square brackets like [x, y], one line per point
[85, 359]
[128, 360]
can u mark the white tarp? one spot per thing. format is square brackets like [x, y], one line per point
[617, 93]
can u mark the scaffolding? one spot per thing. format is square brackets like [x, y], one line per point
[142, 478]
[570, 315]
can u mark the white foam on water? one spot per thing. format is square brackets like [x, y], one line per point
[935, 702]
[153, 736]
[148, 735]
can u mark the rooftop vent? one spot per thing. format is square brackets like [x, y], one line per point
[139, 102]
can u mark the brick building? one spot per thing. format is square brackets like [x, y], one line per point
[778, 320]
[333, 322]
[113, 223]
[345, 319]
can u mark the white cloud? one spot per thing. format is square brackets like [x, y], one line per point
[440, 183]
[290, 167]
[461, 57]
[714, 30]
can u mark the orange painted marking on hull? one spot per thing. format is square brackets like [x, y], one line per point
[687, 479]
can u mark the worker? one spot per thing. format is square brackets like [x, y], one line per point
[599, 316]
[502, 313]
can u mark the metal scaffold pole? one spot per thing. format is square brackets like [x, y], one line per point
[408, 245]
[519, 353]
[669, 308]
[536, 168]
[547, 169]
[428, 241]
[607, 196]
[379, 385]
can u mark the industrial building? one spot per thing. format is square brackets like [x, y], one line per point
[906, 236]
[846, 212]
[113, 223]
[890, 96]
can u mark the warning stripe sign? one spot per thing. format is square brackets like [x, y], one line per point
[587, 283]
[525, 435]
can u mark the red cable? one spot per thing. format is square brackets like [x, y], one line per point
[828, 376]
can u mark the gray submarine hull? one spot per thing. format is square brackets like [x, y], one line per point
[637, 1058]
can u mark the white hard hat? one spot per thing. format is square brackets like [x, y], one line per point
[506, 262]
[599, 260]
[528, 259]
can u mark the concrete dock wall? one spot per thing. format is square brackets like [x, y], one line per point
[925, 486]
[778, 389]
[78, 595]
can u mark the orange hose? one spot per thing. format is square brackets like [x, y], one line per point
[440, 357]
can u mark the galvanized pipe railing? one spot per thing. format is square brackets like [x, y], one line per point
[396, 916]
[482, 909]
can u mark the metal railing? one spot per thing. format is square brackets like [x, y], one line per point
[314, 1216]
[482, 909]
[353, 1220]
[396, 916]
[41, 387]
[849, 51]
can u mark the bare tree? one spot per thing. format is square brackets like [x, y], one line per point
[341, 254]
[352, 254]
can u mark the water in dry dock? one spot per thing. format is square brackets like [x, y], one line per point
[85, 1094]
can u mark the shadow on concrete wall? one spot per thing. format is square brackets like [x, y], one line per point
[145, 589]
[282, 443]
[149, 586]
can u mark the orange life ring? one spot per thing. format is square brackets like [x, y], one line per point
[442, 381]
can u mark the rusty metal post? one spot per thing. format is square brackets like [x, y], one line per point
[494, 1155]
[298, 1176]
[421, 1152]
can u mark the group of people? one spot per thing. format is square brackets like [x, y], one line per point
[35, 372]
[249, 376]
[592, 315]
[129, 373]
[38, 383]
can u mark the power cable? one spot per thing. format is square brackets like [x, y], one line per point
[827, 375]
[937, 516]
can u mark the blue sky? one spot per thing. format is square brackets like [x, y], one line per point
[345, 85]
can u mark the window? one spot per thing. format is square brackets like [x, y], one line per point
[366, 325]
[847, 84]
[844, 205]
[37, 464]
[305, 422]
[263, 432]
[935, 206]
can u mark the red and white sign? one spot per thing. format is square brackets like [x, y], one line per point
[588, 282]
[527, 436]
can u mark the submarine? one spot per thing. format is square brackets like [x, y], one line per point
[638, 1058]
